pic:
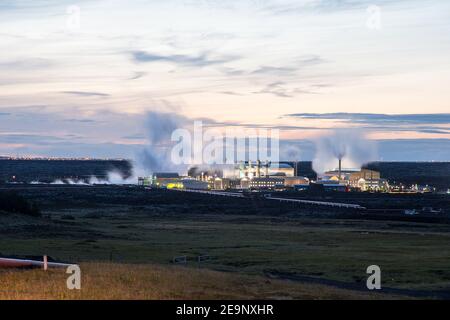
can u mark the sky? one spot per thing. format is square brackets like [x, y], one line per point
[79, 78]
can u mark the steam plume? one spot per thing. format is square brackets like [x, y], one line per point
[350, 145]
[159, 127]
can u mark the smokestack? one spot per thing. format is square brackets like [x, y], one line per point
[340, 169]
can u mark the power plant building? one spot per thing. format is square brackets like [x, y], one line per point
[193, 184]
[295, 181]
[259, 175]
[163, 179]
[222, 183]
[363, 179]
[266, 183]
[259, 169]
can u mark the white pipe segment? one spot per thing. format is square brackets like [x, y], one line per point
[23, 263]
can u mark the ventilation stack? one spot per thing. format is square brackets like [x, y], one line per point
[340, 169]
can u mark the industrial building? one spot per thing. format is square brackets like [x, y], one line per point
[223, 183]
[189, 183]
[361, 179]
[266, 183]
[258, 169]
[163, 179]
[329, 185]
[295, 181]
[372, 185]
[368, 180]
[144, 181]
[268, 176]
[171, 180]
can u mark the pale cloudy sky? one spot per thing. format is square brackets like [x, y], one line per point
[78, 77]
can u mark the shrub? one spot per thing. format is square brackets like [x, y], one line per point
[15, 203]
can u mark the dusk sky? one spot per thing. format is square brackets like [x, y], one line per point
[79, 77]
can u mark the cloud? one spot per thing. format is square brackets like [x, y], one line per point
[26, 138]
[324, 6]
[70, 136]
[26, 64]
[280, 89]
[388, 150]
[415, 150]
[232, 71]
[41, 129]
[437, 124]
[82, 120]
[138, 75]
[86, 93]
[370, 118]
[231, 93]
[309, 60]
[288, 69]
[201, 60]
[277, 89]
[435, 131]
[134, 137]
[78, 149]
[274, 70]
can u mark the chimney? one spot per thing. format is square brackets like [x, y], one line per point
[340, 169]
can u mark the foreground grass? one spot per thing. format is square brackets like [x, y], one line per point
[101, 281]
[136, 226]
[411, 255]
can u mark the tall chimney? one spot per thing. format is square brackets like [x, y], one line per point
[340, 169]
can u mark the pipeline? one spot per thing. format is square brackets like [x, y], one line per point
[318, 203]
[24, 263]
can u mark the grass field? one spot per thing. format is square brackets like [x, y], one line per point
[119, 281]
[161, 225]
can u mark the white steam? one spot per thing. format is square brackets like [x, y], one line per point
[113, 178]
[350, 145]
[156, 156]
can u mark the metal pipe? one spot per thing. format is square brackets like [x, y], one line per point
[24, 263]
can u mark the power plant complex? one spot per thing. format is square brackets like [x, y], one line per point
[260, 176]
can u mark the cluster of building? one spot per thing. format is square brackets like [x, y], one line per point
[354, 179]
[268, 176]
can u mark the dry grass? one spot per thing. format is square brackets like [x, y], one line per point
[106, 281]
